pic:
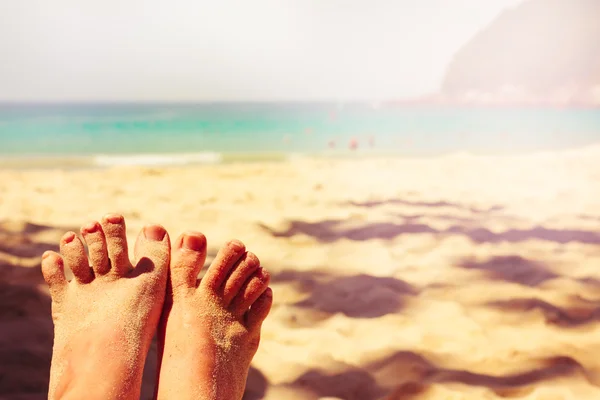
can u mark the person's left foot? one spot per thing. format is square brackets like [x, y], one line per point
[104, 319]
[210, 330]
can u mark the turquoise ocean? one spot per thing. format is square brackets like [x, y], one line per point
[98, 135]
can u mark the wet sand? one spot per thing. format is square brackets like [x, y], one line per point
[458, 277]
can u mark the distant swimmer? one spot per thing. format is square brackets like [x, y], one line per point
[353, 144]
[371, 141]
[331, 144]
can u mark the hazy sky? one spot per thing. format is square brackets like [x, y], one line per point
[186, 50]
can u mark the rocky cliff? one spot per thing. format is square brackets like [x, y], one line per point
[541, 51]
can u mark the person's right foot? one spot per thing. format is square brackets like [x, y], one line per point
[210, 330]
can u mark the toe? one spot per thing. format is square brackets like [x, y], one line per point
[53, 271]
[189, 254]
[152, 251]
[259, 310]
[250, 291]
[74, 257]
[227, 257]
[240, 273]
[98, 253]
[113, 226]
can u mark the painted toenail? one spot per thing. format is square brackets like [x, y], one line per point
[236, 245]
[91, 227]
[114, 218]
[194, 242]
[155, 232]
[69, 236]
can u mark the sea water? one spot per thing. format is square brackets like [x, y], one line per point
[177, 134]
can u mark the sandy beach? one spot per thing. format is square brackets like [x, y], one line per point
[459, 277]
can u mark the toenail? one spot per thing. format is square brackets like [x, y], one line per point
[91, 227]
[252, 259]
[236, 245]
[194, 242]
[264, 274]
[155, 232]
[46, 254]
[68, 238]
[114, 218]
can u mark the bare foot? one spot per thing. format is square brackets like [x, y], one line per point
[104, 319]
[210, 330]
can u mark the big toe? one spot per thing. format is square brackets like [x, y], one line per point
[189, 254]
[152, 251]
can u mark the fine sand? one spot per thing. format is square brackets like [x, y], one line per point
[458, 277]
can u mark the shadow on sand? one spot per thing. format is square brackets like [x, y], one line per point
[571, 316]
[406, 375]
[513, 268]
[15, 239]
[329, 231]
[432, 204]
[256, 385]
[357, 296]
[26, 330]
[521, 270]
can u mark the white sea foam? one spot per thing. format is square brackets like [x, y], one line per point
[296, 156]
[113, 160]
